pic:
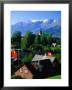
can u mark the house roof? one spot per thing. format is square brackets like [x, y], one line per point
[37, 57]
[28, 66]
[42, 57]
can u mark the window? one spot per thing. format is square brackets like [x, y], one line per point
[20, 69]
[26, 71]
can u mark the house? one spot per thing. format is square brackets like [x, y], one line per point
[44, 64]
[43, 57]
[40, 67]
[54, 44]
[26, 71]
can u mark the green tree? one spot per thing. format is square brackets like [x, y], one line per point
[27, 40]
[27, 58]
[57, 50]
[16, 39]
[37, 39]
[37, 47]
[43, 38]
[58, 57]
[49, 39]
[57, 40]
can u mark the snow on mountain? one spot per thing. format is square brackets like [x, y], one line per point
[48, 26]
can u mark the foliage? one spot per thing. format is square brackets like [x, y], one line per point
[37, 39]
[32, 44]
[57, 50]
[57, 40]
[49, 39]
[16, 39]
[43, 38]
[27, 40]
[58, 57]
[55, 77]
[37, 47]
[27, 58]
[46, 48]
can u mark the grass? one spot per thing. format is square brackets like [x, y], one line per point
[55, 77]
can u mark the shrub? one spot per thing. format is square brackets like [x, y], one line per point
[58, 57]
[37, 47]
[27, 58]
[57, 50]
[46, 48]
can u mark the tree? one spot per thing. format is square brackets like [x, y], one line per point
[57, 50]
[49, 39]
[16, 39]
[37, 39]
[27, 40]
[37, 47]
[43, 38]
[57, 40]
[27, 58]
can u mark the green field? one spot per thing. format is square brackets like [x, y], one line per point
[55, 77]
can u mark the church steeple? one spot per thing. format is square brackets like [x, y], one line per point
[40, 32]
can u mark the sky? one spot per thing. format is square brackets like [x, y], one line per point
[24, 16]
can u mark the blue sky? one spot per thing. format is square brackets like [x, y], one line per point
[18, 16]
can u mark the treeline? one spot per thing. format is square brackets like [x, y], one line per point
[30, 39]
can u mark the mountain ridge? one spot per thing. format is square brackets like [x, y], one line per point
[48, 26]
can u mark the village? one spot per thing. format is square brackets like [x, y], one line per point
[35, 56]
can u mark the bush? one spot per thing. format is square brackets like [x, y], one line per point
[27, 58]
[58, 57]
[57, 50]
[46, 48]
[37, 47]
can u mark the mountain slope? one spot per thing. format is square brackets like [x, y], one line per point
[50, 26]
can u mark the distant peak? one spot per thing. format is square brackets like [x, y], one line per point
[54, 20]
[35, 20]
[45, 21]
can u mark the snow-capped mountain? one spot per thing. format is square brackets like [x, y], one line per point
[48, 26]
